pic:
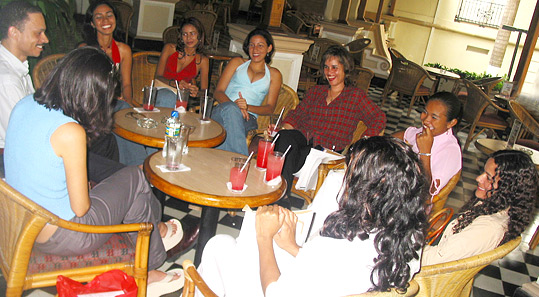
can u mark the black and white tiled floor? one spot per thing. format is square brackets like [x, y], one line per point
[500, 278]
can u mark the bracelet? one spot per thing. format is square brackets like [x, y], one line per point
[424, 154]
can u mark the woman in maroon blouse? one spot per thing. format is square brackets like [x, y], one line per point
[328, 115]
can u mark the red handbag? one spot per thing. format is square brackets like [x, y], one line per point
[110, 281]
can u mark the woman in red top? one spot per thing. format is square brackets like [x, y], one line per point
[99, 31]
[183, 62]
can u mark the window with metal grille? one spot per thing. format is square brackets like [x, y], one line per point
[485, 13]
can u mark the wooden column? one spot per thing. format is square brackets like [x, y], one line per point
[379, 12]
[273, 14]
[392, 7]
[527, 52]
[343, 13]
[361, 10]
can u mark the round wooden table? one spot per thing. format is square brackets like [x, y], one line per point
[205, 185]
[489, 146]
[440, 73]
[204, 135]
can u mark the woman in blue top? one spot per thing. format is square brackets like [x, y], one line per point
[242, 88]
[46, 161]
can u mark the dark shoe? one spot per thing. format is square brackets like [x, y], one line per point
[191, 228]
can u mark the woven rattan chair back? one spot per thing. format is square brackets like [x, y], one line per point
[362, 78]
[43, 68]
[438, 201]
[144, 66]
[519, 112]
[395, 54]
[456, 278]
[356, 48]
[312, 59]
[125, 14]
[288, 98]
[194, 280]
[487, 84]
[294, 20]
[207, 18]
[21, 220]
[437, 222]
[171, 34]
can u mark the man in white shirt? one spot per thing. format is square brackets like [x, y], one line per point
[22, 34]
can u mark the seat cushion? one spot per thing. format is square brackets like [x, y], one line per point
[490, 119]
[423, 91]
[534, 145]
[116, 250]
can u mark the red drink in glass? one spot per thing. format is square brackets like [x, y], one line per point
[181, 103]
[275, 165]
[237, 178]
[265, 147]
[273, 130]
[147, 106]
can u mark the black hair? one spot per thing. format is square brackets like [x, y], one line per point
[89, 31]
[83, 86]
[384, 195]
[269, 41]
[516, 191]
[15, 14]
[344, 57]
[180, 46]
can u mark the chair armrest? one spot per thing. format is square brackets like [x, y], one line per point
[498, 107]
[121, 228]
[192, 275]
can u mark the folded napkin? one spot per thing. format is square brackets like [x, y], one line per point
[308, 174]
[274, 182]
[141, 110]
[229, 187]
[182, 168]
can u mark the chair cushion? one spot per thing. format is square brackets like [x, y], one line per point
[529, 143]
[490, 118]
[116, 250]
[423, 91]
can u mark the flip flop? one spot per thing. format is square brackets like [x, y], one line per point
[167, 284]
[171, 240]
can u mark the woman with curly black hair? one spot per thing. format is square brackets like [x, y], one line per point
[499, 211]
[372, 242]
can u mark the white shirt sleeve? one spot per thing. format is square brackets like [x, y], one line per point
[11, 92]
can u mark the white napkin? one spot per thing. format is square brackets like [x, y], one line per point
[229, 186]
[141, 110]
[307, 175]
[274, 182]
[182, 168]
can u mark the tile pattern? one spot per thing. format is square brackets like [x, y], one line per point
[500, 278]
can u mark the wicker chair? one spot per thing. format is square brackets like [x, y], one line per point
[144, 66]
[312, 60]
[356, 48]
[532, 126]
[44, 67]
[407, 78]
[171, 34]
[362, 78]
[437, 222]
[295, 22]
[207, 18]
[456, 278]
[194, 280]
[438, 201]
[476, 117]
[395, 54]
[21, 222]
[125, 14]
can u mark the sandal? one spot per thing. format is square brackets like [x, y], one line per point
[167, 284]
[171, 240]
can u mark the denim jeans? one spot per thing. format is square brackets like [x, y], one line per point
[229, 115]
[165, 98]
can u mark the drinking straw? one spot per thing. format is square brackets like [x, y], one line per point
[177, 86]
[246, 162]
[279, 118]
[333, 148]
[275, 139]
[285, 152]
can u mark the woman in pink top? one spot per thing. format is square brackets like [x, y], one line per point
[434, 141]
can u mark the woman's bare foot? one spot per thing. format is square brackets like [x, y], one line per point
[163, 229]
[156, 275]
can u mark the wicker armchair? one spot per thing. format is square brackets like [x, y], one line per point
[194, 280]
[475, 115]
[171, 34]
[295, 22]
[144, 67]
[207, 18]
[311, 62]
[362, 78]
[44, 67]
[438, 201]
[532, 126]
[456, 278]
[125, 14]
[407, 78]
[356, 48]
[21, 222]
[437, 222]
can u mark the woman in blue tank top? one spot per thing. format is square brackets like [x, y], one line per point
[242, 88]
[45, 158]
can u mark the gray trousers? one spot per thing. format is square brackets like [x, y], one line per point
[125, 197]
